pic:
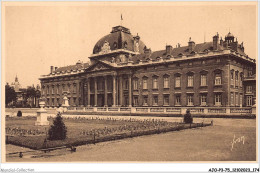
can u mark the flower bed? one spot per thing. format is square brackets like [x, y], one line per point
[83, 131]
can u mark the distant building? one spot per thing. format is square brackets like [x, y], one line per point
[22, 100]
[20, 92]
[124, 72]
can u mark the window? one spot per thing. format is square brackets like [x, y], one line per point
[218, 79]
[126, 84]
[190, 63]
[145, 100]
[63, 88]
[232, 98]
[203, 100]
[48, 102]
[48, 89]
[190, 100]
[58, 101]
[203, 62]
[218, 60]
[43, 91]
[145, 83]
[178, 100]
[135, 84]
[68, 87]
[52, 90]
[218, 99]
[190, 81]
[241, 80]
[237, 99]
[232, 77]
[241, 100]
[236, 80]
[52, 102]
[166, 100]
[203, 80]
[57, 89]
[177, 81]
[250, 71]
[249, 101]
[155, 100]
[136, 101]
[155, 83]
[74, 100]
[249, 89]
[166, 82]
[75, 88]
[99, 85]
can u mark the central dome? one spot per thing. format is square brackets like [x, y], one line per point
[119, 38]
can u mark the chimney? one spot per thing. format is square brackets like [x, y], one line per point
[242, 47]
[136, 43]
[51, 69]
[147, 52]
[56, 68]
[221, 42]
[191, 45]
[169, 49]
[215, 42]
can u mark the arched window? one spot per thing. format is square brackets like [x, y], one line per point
[115, 45]
[125, 45]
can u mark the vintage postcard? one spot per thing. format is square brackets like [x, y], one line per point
[130, 82]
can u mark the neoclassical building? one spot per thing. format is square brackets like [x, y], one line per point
[123, 72]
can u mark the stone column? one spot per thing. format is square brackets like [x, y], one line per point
[130, 90]
[105, 104]
[121, 90]
[95, 79]
[114, 90]
[88, 85]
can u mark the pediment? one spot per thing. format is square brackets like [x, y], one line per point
[99, 66]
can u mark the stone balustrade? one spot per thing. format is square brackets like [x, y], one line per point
[168, 110]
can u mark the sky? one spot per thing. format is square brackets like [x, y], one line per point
[39, 35]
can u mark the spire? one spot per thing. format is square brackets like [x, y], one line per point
[16, 78]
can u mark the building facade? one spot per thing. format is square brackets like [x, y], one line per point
[123, 72]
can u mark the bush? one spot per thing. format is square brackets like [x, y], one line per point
[58, 130]
[19, 113]
[188, 118]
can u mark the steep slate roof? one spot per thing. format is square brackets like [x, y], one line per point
[119, 35]
[202, 47]
[78, 66]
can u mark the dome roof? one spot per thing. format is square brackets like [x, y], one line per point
[119, 38]
[229, 35]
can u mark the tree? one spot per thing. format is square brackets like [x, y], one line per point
[58, 130]
[10, 95]
[30, 95]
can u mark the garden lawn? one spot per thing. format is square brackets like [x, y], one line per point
[81, 131]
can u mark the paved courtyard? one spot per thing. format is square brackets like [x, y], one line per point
[213, 143]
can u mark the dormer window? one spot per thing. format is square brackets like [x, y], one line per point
[193, 53]
[180, 55]
[206, 51]
[125, 45]
[115, 45]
